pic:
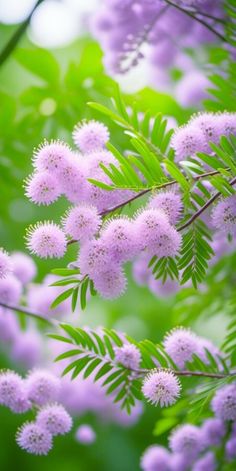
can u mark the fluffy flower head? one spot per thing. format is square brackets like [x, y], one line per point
[187, 439]
[23, 266]
[90, 136]
[119, 237]
[82, 222]
[181, 344]
[188, 140]
[170, 203]
[155, 458]
[34, 439]
[224, 402]
[55, 419]
[47, 240]
[224, 215]
[51, 156]
[128, 355]
[85, 434]
[42, 188]
[10, 290]
[111, 283]
[42, 387]
[161, 387]
[93, 257]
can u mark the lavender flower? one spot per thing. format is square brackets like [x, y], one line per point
[181, 344]
[155, 458]
[188, 140]
[206, 463]
[187, 439]
[85, 434]
[213, 431]
[94, 258]
[13, 392]
[224, 402]
[42, 188]
[90, 136]
[82, 222]
[224, 215]
[149, 225]
[128, 355]
[55, 419]
[51, 156]
[10, 290]
[111, 283]
[23, 267]
[34, 439]
[169, 202]
[230, 448]
[46, 240]
[5, 264]
[120, 239]
[42, 387]
[161, 387]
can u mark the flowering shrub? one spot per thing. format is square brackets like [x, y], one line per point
[128, 198]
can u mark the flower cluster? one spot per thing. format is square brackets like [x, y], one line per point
[104, 248]
[195, 448]
[41, 389]
[202, 129]
[130, 30]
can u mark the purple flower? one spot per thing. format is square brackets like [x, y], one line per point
[27, 348]
[10, 290]
[85, 434]
[120, 238]
[128, 355]
[161, 387]
[111, 283]
[169, 202]
[155, 458]
[150, 224]
[42, 188]
[46, 239]
[206, 463]
[191, 90]
[5, 264]
[51, 156]
[230, 448]
[23, 266]
[141, 272]
[187, 439]
[55, 419]
[188, 140]
[34, 439]
[90, 136]
[224, 402]
[72, 179]
[213, 430]
[13, 392]
[209, 124]
[224, 215]
[82, 222]
[181, 344]
[167, 243]
[42, 387]
[94, 258]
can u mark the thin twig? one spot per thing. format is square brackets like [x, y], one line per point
[25, 310]
[15, 38]
[199, 20]
[204, 374]
[203, 208]
[148, 190]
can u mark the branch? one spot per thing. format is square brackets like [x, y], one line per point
[26, 311]
[203, 208]
[143, 372]
[14, 40]
[199, 20]
[148, 190]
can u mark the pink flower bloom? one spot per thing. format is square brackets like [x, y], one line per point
[42, 387]
[34, 439]
[85, 434]
[82, 222]
[42, 188]
[5, 264]
[161, 387]
[111, 283]
[47, 240]
[169, 202]
[55, 419]
[51, 156]
[90, 136]
[23, 266]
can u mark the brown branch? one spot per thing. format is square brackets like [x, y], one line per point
[25, 310]
[144, 192]
[203, 208]
[14, 40]
[204, 374]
